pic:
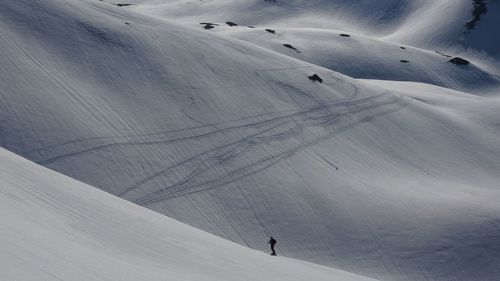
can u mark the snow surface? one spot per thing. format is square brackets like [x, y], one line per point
[364, 57]
[223, 130]
[55, 228]
[429, 24]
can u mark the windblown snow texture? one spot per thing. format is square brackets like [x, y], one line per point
[56, 228]
[222, 129]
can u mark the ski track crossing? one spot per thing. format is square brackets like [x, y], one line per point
[248, 145]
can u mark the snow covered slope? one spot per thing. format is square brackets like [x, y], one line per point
[429, 24]
[360, 56]
[386, 179]
[55, 228]
[431, 33]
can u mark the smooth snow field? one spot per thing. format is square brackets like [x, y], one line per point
[56, 228]
[389, 168]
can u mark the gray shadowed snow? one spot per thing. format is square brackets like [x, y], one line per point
[392, 180]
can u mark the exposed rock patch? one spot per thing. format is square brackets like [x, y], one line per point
[208, 25]
[315, 77]
[459, 61]
[289, 46]
[479, 8]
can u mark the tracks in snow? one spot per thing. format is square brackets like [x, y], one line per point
[214, 155]
[279, 140]
[232, 150]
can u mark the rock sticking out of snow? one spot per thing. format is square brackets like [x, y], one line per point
[459, 61]
[315, 77]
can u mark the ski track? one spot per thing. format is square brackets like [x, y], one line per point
[257, 142]
[185, 186]
[153, 108]
[217, 165]
[58, 151]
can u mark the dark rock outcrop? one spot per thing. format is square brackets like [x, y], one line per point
[479, 8]
[459, 61]
[315, 77]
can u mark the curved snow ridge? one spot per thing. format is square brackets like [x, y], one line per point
[444, 24]
[428, 24]
[435, 26]
[55, 228]
[384, 17]
[364, 57]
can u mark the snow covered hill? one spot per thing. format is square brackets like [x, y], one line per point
[395, 40]
[55, 228]
[360, 56]
[428, 24]
[392, 180]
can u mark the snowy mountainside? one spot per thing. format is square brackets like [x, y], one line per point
[363, 57]
[431, 33]
[428, 24]
[385, 179]
[56, 228]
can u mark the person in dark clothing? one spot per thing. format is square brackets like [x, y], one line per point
[272, 242]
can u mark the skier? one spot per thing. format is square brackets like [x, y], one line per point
[272, 242]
